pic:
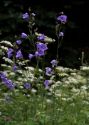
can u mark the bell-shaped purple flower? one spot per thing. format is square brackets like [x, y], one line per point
[41, 37]
[18, 42]
[19, 54]
[27, 85]
[62, 18]
[39, 53]
[30, 56]
[15, 67]
[25, 16]
[61, 34]
[46, 83]
[49, 71]
[7, 82]
[24, 35]
[36, 53]
[54, 62]
[41, 46]
[3, 75]
[10, 52]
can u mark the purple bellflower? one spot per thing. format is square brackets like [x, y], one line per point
[62, 19]
[15, 67]
[6, 81]
[10, 52]
[27, 85]
[24, 35]
[39, 53]
[41, 46]
[3, 75]
[61, 34]
[19, 54]
[54, 62]
[36, 53]
[9, 84]
[49, 71]
[25, 16]
[46, 83]
[18, 42]
[41, 37]
[30, 56]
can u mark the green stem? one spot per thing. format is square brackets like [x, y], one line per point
[58, 46]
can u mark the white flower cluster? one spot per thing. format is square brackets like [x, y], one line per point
[7, 43]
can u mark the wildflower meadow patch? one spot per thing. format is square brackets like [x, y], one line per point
[34, 93]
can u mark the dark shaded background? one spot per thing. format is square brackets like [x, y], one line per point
[76, 33]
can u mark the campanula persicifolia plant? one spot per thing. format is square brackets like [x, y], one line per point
[30, 80]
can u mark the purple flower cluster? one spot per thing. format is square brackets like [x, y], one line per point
[18, 54]
[40, 51]
[7, 81]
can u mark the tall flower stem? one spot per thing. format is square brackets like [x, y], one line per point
[58, 46]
